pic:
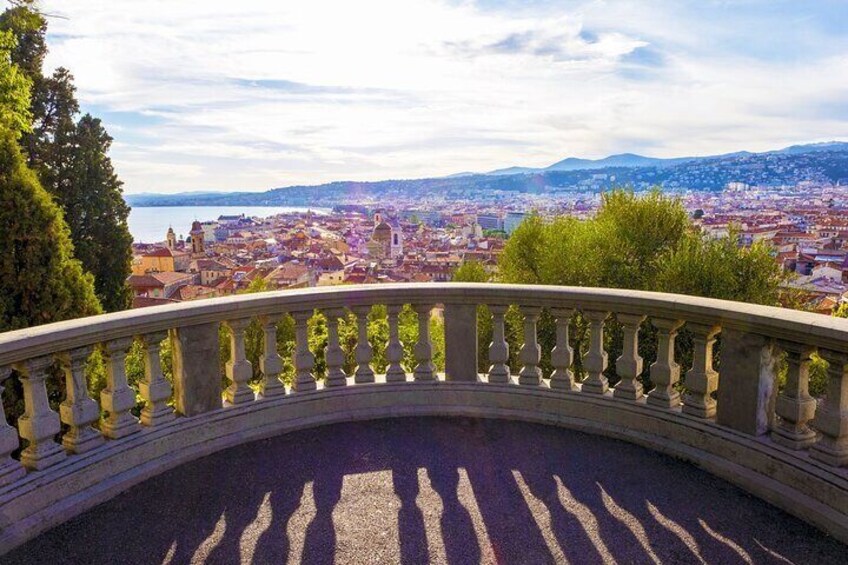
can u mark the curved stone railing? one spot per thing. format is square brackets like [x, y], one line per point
[785, 448]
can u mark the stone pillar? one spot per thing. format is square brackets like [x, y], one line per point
[424, 370]
[39, 423]
[562, 355]
[531, 352]
[10, 470]
[832, 416]
[629, 364]
[304, 360]
[197, 378]
[394, 349]
[154, 388]
[334, 355]
[238, 368]
[595, 360]
[270, 362]
[795, 407]
[665, 372]
[499, 348]
[117, 399]
[78, 411]
[461, 342]
[701, 379]
[363, 351]
[747, 389]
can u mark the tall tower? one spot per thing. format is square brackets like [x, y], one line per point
[196, 237]
[171, 238]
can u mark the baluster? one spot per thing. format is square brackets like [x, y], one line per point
[499, 348]
[531, 352]
[304, 361]
[154, 388]
[334, 354]
[424, 370]
[629, 365]
[665, 372]
[10, 470]
[394, 350]
[270, 362]
[363, 351]
[78, 410]
[701, 379]
[238, 368]
[794, 405]
[832, 416]
[562, 355]
[595, 360]
[117, 399]
[39, 423]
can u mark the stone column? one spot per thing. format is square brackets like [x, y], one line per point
[461, 342]
[394, 350]
[424, 370]
[531, 352]
[363, 351]
[701, 379]
[238, 368]
[629, 364]
[197, 377]
[334, 355]
[39, 423]
[78, 411]
[10, 470]
[304, 361]
[595, 359]
[665, 372]
[562, 355]
[747, 390]
[117, 399]
[795, 407]
[154, 388]
[270, 362]
[499, 348]
[832, 416]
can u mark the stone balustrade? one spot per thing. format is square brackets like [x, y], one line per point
[778, 443]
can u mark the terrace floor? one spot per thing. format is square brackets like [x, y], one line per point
[434, 490]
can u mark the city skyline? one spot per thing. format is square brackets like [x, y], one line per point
[201, 96]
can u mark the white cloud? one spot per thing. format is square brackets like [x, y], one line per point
[222, 95]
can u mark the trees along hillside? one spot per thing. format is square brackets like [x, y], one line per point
[70, 157]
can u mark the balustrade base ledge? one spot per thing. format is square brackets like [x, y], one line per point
[788, 479]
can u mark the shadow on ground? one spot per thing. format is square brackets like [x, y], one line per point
[434, 490]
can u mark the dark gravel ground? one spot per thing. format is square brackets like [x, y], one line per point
[434, 490]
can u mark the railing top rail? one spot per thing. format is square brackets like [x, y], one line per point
[804, 327]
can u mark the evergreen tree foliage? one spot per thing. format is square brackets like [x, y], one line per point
[90, 193]
[40, 281]
[71, 159]
[15, 115]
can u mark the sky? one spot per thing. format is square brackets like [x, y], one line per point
[252, 95]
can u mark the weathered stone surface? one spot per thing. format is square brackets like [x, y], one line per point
[460, 342]
[746, 390]
[197, 379]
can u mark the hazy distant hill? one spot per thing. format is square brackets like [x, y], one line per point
[816, 162]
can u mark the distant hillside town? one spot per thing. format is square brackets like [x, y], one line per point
[806, 226]
[820, 164]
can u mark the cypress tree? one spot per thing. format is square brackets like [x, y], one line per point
[97, 213]
[40, 281]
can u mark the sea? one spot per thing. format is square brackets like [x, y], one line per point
[150, 224]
